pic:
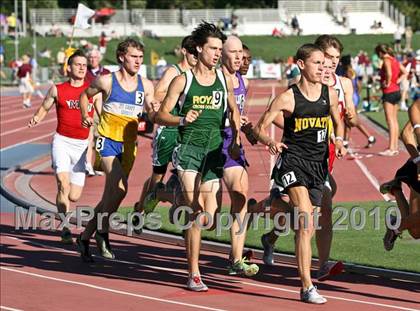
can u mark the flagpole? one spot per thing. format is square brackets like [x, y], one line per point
[71, 37]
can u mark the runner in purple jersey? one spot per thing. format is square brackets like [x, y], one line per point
[235, 175]
[240, 93]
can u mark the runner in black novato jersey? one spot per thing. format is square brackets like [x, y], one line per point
[307, 108]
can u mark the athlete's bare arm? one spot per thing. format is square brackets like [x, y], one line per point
[151, 105]
[414, 114]
[409, 140]
[163, 84]
[97, 103]
[103, 85]
[388, 72]
[234, 117]
[246, 83]
[42, 111]
[340, 151]
[351, 115]
[283, 103]
[403, 74]
[164, 116]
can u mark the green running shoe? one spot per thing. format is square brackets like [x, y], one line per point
[242, 267]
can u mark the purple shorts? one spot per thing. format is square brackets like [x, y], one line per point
[227, 141]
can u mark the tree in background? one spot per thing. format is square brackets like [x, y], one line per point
[411, 9]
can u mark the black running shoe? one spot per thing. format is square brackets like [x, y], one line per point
[83, 247]
[102, 242]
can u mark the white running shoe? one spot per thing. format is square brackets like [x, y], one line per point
[196, 284]
[311, 295]
[89, 169]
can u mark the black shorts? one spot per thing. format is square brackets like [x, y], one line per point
[393, 98]
[408, 175]
[295, 171]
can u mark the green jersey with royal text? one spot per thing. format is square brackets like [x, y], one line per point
[206, 131]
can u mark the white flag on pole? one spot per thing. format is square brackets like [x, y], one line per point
[82, 16]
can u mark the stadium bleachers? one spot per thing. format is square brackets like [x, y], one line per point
[315, 17]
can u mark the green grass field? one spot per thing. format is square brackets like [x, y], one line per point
[362, 246]
[379, 118]
[264, 47]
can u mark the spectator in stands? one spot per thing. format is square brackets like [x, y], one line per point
[12, 24]
[408, 38]
[2, 74]
[392, 73]
[397, 40]
[3, 24]
[234, 20]
[94, 69]
[26, 88]
[277, 33]
[61, 57]
[344, 16]
[103, 41]
[295, 26]
[45, 53]
[374, 25]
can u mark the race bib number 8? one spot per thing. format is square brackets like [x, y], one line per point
[100, 143]
[322, 135]
[288, 179]
[217, 99]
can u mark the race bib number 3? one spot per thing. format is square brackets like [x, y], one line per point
[100, 143]
[288, 179]
[322, 135]
[139, 98]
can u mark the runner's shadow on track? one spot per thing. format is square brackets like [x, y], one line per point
[29, 172]
[166, 266]
[43, 253]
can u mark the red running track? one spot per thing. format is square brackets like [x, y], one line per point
[39, 273]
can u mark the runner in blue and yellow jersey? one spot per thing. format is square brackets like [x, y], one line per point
[127, 96]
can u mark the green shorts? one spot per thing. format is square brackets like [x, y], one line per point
[164, 144]
[209, 164]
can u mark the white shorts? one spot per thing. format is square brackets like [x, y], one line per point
[25, 86]
[69, 156]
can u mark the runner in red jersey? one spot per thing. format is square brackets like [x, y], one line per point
[70, 141]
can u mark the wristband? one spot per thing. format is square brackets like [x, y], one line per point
[416, 159]
[416, 126]
[339, 138]
[182, 121]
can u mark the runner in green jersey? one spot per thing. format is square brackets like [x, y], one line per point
[165, 138]
[203, 94]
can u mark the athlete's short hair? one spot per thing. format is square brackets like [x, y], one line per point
[305, 51]
[77, 53]
[245, 47]
[326, 41]
[188, 44]
[206, 30]
[124, 45]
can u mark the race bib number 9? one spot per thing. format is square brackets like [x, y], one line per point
[217, 99]
[288, 179]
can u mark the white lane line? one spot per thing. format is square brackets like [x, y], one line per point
[27, 141]
[27, 117]
[9, 309]
[230, 280]
[106, 289]
[19, 129]
[369, 175]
